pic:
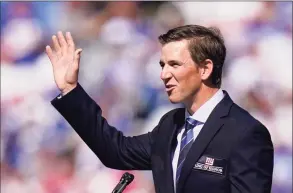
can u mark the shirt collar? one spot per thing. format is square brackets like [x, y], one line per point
[206, 109]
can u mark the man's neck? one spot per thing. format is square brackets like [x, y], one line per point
[201, 97]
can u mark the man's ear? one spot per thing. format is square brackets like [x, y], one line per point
[206, 69]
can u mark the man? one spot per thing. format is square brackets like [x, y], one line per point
[210, 146]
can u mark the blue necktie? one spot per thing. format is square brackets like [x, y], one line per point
[186, 143]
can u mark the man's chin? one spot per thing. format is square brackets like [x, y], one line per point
[174, 100]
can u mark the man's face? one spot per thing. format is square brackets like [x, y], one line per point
[180, 74]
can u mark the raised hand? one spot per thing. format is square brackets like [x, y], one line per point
[65, 61]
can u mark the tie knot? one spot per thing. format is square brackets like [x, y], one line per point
[190, 123]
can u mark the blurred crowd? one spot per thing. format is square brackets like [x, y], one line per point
[120, 70]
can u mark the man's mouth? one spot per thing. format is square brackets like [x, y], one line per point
[169, 88]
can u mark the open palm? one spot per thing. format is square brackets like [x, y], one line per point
[65, 61]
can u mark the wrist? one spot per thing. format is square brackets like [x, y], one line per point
[67, 89]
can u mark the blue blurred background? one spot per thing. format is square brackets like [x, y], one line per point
[120, 70]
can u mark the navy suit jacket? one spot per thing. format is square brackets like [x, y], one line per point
[233, 153]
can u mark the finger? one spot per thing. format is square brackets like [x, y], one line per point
[62, 42]
[51, 55]
[77, 56]
[70, 42]
[57, 47]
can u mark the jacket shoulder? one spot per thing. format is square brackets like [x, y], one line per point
[244, 127]
[243, 118]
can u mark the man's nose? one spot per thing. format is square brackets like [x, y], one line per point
[165, 74]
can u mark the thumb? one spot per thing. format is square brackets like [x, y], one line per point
[77, 56]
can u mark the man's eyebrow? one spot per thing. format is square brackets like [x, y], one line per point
[175, 61]
[171, 62]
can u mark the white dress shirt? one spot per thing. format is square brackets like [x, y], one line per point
[201, 115]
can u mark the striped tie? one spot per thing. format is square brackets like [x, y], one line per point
[186, 143]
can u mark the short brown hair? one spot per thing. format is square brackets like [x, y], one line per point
[205, 43]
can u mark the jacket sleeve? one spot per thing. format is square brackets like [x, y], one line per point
[251, 164]
[113, 149]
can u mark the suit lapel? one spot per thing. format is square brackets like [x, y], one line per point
[178, 122]
[209, 130]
